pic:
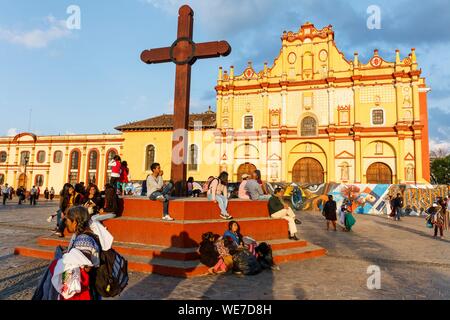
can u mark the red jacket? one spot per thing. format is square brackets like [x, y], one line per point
[124, 174]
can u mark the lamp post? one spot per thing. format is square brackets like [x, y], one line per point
[26, 159]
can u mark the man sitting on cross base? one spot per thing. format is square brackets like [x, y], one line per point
[279, 210]
[158, 191]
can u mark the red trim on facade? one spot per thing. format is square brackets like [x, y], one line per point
[425, 142]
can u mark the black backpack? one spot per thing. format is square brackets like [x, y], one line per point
[246, 263]
[111, 277]
[265, 257]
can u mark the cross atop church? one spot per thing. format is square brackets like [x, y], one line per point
[183, 52]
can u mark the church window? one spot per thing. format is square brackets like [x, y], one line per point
[193, 158]
[308, 127]
[377, 117]
[248, 122]
[92, 166]
[149, 157]
[74, 167]
[39, 180]
[41, 156]
[3, 156]
[24, 157]
[57, 156]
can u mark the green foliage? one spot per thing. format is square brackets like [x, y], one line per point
[440, 170]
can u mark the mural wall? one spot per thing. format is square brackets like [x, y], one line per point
[373, 198]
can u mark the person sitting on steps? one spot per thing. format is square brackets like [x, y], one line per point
[278, 210]
[157, 191]
[218, 193]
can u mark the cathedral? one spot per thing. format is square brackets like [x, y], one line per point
[311, 117]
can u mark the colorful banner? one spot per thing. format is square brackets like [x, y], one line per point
[373, 198]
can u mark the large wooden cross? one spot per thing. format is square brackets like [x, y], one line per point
[183, 52]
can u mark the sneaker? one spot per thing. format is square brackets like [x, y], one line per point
[297, 221]
[294, 237]
[160, 198]
[168, 218]
[275, 268]
[226, 217]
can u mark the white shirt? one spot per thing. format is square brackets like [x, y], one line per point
[154, 184]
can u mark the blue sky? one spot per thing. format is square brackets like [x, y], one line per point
[91, 80]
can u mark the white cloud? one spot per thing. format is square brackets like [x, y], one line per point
[12, 132]
[37, 38]
[439, 145]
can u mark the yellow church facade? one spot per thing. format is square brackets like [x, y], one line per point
[310, 117]
[314, 116]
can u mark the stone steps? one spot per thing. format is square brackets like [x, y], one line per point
[170, 247]
[169, 266]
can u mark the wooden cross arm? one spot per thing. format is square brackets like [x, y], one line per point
[158, 55]
[212, 49]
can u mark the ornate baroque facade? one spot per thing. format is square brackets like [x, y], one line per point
[314, 116]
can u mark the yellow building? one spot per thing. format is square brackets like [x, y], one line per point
[50, 161]
[311, 117]
[314, 116]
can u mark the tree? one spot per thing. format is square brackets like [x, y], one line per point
[440, 170]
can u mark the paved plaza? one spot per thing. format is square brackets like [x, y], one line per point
[413, 265]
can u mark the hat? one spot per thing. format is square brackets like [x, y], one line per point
[245, 176]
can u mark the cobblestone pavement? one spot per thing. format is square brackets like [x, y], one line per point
[413, 265]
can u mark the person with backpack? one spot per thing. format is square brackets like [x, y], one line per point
[157, 191]
[218, 193]
[279, 210]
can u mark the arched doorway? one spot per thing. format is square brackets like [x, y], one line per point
[379, 173]
[308, 171]
[22, 180]
[247, 168]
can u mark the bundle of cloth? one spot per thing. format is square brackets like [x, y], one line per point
[67, 276]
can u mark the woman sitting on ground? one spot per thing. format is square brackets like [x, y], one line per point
[234, 232]
[110, 207]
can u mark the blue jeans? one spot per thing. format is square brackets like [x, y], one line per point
[165, 193]
[398, 213]
[58, 217]
[222, 202]
[103, 217]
